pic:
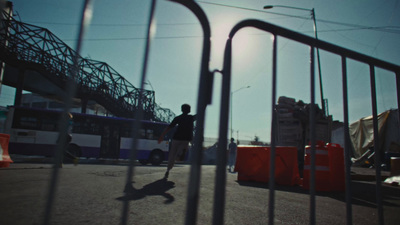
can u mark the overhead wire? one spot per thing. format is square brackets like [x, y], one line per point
[111, 24]
[358, 42]
[375, 51]
[134, 38]
[354, 27]
[199, 36]
[288, 15]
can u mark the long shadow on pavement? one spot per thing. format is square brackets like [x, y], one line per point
[158, 187]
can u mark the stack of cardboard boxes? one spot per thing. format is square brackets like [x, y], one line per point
[290, 131]
[293, 125]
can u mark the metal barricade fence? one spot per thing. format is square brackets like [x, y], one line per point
[204, 96]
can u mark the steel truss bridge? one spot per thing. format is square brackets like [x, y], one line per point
[46, 62]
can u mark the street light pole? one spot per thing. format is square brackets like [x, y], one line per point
[316, 37]
[232, 107]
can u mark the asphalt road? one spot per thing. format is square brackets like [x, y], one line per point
[93, 194]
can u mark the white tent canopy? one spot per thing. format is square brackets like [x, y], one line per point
[362, 133]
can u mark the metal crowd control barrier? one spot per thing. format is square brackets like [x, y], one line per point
[345, 54]
[204, 98]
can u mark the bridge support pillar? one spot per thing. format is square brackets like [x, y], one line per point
[20, 87]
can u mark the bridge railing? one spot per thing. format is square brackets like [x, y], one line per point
[33, 46]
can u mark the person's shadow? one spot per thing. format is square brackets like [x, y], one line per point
[159, 187]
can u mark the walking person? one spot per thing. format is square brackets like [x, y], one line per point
[183, 135]
[67, 140]
[232, 154]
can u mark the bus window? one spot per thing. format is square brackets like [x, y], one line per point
[126, 130]
[123, 132]
[142, 133]
[95, 126]
[150, 134]
[40, 105]
[48, 124]
[56, 105]
[26, 122]
[82, 125]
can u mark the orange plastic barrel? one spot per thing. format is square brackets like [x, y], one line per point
[336, 167]
[322, 169]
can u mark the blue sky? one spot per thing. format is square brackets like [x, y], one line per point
[117, 37]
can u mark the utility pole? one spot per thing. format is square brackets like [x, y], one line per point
[316, 37]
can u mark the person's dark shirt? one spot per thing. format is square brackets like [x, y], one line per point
[232, 148]
[184, 131]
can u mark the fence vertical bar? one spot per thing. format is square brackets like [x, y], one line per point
[138, 117]
[397, 74]
[312, 135]
[347, 150]
[204, 96]
[63, 126]
[220, 180]
[377, 150]
[271, 199]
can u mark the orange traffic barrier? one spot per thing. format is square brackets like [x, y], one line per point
[5, 158]
[329, 167]
[336, 167]
[322, 174]
[253, 164]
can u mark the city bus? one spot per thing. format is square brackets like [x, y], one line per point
[35, 132]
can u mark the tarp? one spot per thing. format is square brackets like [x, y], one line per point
[362, 132]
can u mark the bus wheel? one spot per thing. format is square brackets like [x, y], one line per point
[156, 157]
[143, 161]
[74, 150]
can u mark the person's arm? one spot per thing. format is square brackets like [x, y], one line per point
[170, 126]
[161, 138]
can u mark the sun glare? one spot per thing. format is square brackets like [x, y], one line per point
[219, 36]
[242, 43]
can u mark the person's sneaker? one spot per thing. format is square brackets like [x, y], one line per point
[166, 174]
